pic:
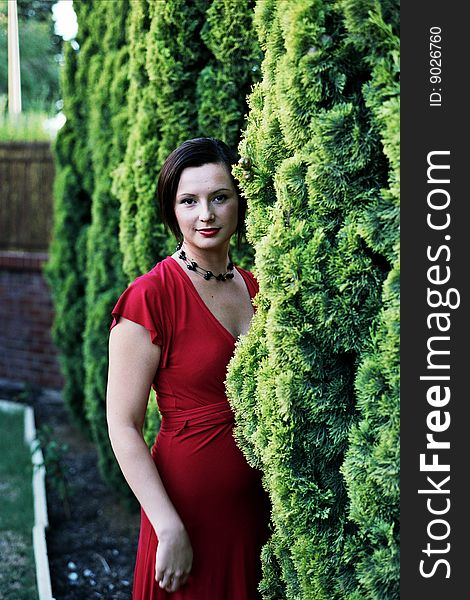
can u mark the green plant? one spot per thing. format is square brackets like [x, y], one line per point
[65, 270]
[183, 82]
[107, 136]
[152, 420]
[190, 69]
[372, 462]
[53, 454]
[320, 187]
[166, 55]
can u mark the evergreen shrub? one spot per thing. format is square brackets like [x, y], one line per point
[316, 178]
[372, 464]
[65, 270]
[107, 137]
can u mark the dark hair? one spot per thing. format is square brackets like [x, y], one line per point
[194, 153]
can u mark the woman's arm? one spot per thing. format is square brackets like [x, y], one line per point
[133, 361]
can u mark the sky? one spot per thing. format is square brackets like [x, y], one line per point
[65, 19]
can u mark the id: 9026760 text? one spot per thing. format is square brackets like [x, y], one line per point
[435, 66]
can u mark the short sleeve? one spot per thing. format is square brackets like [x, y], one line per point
[141, 303]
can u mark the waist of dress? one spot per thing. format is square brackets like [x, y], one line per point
[218, 413]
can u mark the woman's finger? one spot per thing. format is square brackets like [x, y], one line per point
[174, 584]
[177, 582]
[166, 580]
[158, 575]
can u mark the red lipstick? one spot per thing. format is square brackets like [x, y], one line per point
[210, 232]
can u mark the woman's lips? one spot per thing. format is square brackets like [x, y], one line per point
[209, 232]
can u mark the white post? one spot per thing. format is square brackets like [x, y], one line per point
[14, 80]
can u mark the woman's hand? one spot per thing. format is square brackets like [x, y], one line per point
[174, 559]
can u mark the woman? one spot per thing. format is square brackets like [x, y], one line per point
[204, 512]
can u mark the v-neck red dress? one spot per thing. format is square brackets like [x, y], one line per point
[218, 496]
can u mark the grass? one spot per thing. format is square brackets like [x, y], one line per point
[17, 567]
[25, 127]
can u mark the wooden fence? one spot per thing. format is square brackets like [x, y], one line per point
[26, 181]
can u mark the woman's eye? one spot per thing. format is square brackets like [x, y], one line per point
[219, 199]
[187, 201]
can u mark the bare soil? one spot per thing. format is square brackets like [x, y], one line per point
[92, 536]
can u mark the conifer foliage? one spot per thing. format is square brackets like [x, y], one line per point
[191, 67]
[224, 83]
[107, 136]
[324, 223]
[73, 186]
[85, 270]
[371, 468]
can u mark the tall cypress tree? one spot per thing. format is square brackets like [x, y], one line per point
[65, 270]
[107, 136]
[314, 172]
[225, 82]
[178, 74]
[167, 55]
[372, 462]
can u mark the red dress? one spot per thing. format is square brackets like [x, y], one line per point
[218, 496]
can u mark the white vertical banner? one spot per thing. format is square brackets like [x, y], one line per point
[14, 79]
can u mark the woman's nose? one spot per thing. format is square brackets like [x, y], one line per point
[206, 213]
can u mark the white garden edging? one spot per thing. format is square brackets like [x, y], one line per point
[41, 522]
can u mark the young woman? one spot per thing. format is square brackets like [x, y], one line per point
[204, 512]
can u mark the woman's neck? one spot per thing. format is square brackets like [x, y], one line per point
[214, 259]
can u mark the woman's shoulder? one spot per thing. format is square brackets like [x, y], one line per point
[145, 302]
[159, 276]
[153, 289]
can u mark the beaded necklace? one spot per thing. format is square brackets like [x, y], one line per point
[206, 274]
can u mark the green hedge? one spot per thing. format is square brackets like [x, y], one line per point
[134, 178]
[191, 66]
[65, 270]
[317, 177]
[224, 83]
[371, 468]
[107, 137]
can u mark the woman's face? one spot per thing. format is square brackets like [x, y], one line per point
[206, 206]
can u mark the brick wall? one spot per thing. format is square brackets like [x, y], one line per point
[27, 353]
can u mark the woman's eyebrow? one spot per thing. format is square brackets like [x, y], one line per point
[189, 195]
[220, 190]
